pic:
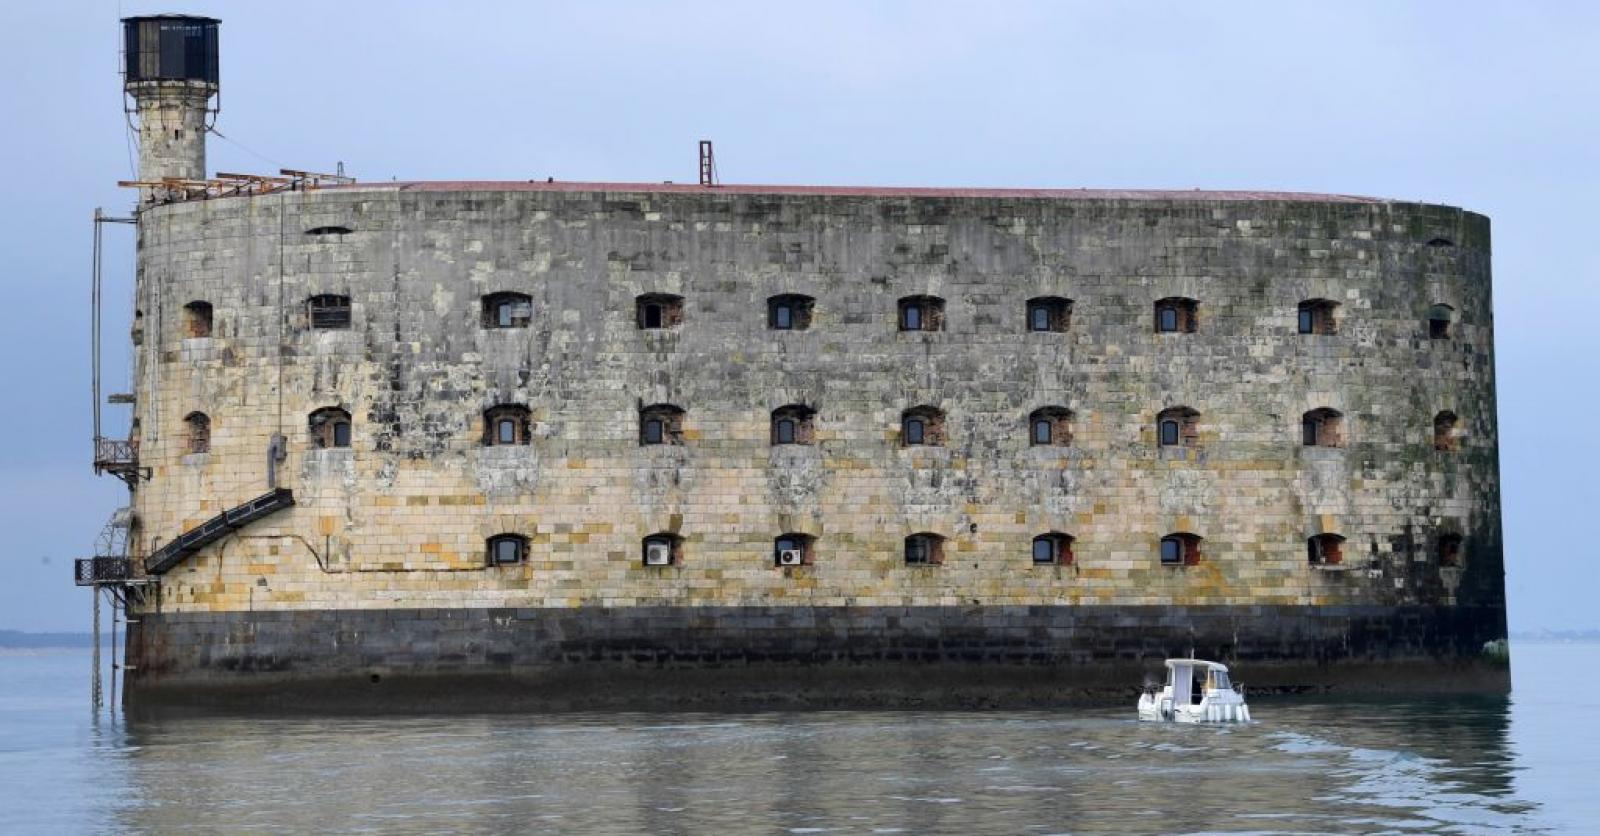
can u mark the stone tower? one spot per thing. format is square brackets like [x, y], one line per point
[171, 73]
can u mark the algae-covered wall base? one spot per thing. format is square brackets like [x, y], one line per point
[488, 659]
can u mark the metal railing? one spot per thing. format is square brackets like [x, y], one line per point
[114, 453]
[88, 571]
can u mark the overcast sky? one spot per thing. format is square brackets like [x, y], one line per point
[1490, 106]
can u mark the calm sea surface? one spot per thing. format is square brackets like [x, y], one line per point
[1527, 764]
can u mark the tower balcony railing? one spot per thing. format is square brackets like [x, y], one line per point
[113, 454]
[91, 571]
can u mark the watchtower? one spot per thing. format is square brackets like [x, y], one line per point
[170, 71]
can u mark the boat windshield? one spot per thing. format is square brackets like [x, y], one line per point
[1219, 680]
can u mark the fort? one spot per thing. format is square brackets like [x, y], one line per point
[520, 444]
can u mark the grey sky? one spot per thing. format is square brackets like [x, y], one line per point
[1490, 106]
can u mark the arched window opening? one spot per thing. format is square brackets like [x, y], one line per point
[663, 549]
[1441, 320]
[925, 549]
[506, 425]
[1317, 317]
[1050, 426]
[794, 424]
[1180, 549]
[789, 312]
[658, 311]
[507, 549]
[1446, 436]
[1053, 548]
[1325, 550]
[507, 310]
[197, 319]
[330, 428]
[1178, 426]
[1441, 242]
[793, 550]
[319, 231]
[198, 432]
[922, 426]
[1450, 549]
[1322, 428]
[328, 311]
[1176, 315]
[661, 424]
[921, 313]
[1049, 313]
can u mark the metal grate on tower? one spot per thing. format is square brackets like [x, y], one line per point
[708, 164]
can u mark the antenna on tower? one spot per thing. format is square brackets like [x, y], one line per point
[708, 164]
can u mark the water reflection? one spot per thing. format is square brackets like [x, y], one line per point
[1306, 767]
[1460, 765]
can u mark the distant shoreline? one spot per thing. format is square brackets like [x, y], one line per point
[1557, 636]
[23, 640]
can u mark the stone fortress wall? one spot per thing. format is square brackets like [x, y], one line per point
[399, 520]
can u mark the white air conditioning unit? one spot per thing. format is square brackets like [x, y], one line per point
[658, 554]
[790, 557]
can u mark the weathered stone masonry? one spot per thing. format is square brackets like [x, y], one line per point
[398, 521]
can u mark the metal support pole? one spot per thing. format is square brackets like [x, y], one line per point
[94, 677]
[114, 664]
[94, 317]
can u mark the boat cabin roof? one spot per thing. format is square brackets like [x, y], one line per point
[1196, 663]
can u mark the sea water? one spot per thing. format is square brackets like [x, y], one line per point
[1527, 763]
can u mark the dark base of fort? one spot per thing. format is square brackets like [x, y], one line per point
[788, 658]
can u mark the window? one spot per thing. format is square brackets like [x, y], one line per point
[793, 550]
[1052, 549]
[1325, 550]
[198, 438]
[197, 319]
[1322, 428]
[1049, 313]
[922, 426]
[663, 549]
[1178, 426]
[1450, 550]
[1441, 242]
[1316, 317]
[922, 313]
[659, 310]
[1176, 315]
[318, 231]
[507, 549]
[507, 310]
[1439, 320]
[330, 428]
[506, 425]
[1180, 549]
[924, 550]
[1445, 436]
[661, 424]
[793, 424]
[328, 311]
[789, 312]
[1050, 426]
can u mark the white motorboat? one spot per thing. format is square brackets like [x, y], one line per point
[1197, 691]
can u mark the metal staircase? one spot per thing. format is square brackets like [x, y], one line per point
[216, 528]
